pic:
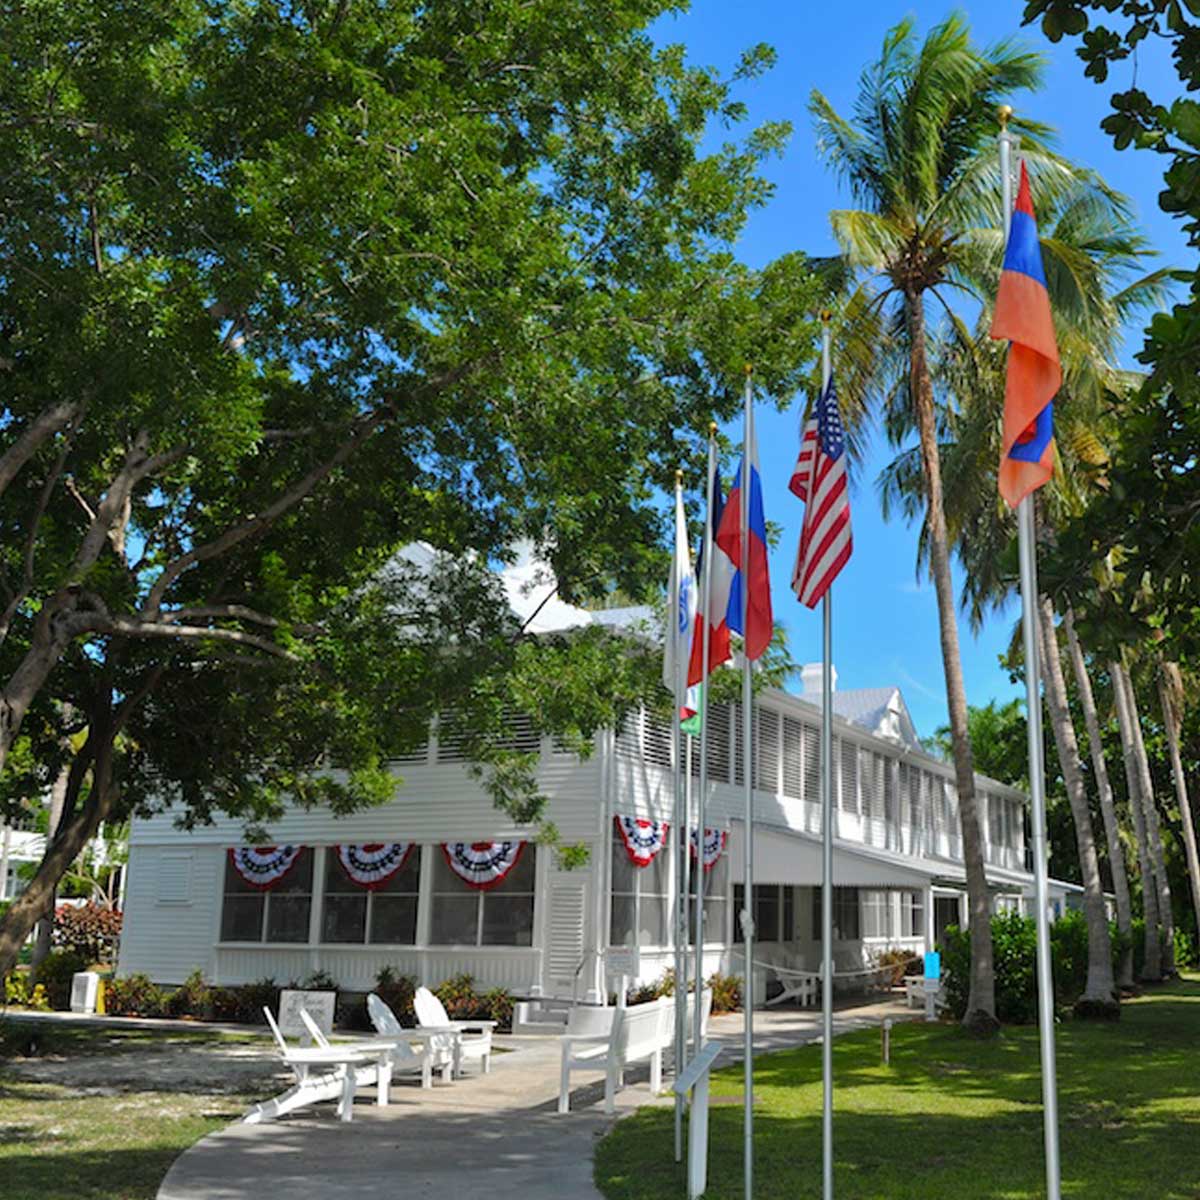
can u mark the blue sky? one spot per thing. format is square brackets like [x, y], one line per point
[885, 624]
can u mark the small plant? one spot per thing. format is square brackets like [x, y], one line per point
[320, 981]
[727, 992]
[191, 999]
[499, 1004]
[245, 1002]
[134, 996]
[902, 962]
[459, 997]
[397, 992]
[17, 991]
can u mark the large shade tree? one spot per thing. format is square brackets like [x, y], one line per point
[287, 287]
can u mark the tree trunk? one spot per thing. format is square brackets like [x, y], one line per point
[1108, 808]
[61, 851]
[45, 925]
[1166, 917]
[1152, 959]
[1170, 692]
[1099, 993]
[980, 1016]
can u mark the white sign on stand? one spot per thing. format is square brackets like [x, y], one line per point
[319, 1006]
[624, 962]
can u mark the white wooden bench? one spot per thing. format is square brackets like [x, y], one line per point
[609, 1039]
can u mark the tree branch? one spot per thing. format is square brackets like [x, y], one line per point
[43, 426]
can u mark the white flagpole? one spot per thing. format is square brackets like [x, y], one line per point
[702, 799]
[1037, 771]
[747, 914]
[826, 840]
[680, 818]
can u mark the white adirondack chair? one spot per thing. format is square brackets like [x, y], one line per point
[388, 1054]
[321, 1074]
[438, 1051]
[475, 1037]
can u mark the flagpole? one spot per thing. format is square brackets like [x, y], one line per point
[747, 914]
[1027, 547]
[680, 824]
[702, 799]
[826, 840]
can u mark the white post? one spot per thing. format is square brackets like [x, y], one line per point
[680, 819]
[826, 843]
[1037, 773]
[748, 779]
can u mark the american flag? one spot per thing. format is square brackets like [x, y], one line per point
[819, 479]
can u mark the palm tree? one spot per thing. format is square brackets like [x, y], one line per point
[1171, 697]
[1089, 246]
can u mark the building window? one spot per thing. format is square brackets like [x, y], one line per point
[876, 914]
[766, 912]
[912, 914]
[386, 914]
[845, 914]
[277, 914]
[640, 899]
[500, 916]
[716, 888]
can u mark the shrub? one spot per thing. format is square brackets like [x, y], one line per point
[459, 997]
[18, 991]
[88, 929]
[1186, 952]
[245, 1002]
[498, 1004]
[319, 981]
[397, 992]
[902, 962]
[727, 992]
[192, 999]
[134, 996]
[55, 975]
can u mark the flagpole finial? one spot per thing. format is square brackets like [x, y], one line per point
[712, 429]
[1004, 115]
[678, 476]
[749, 368]
[826, 315]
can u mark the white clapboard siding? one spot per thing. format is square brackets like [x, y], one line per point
[432, 803]
[172, 899]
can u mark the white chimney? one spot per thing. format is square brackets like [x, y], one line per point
[810, 679]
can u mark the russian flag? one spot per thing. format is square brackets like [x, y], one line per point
[719, 584]
[1034, 375]
[759, 621]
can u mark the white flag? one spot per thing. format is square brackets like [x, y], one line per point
[681, 602]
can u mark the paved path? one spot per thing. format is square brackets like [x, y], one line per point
[494, 1137]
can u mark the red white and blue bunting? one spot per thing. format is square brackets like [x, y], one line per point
[643, 840]
[482, 865]
[263, 866]
[714, 845]
[373, 863]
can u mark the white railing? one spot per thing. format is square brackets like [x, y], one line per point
[694, 1078]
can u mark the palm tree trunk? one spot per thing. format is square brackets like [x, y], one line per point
[1152, 958]
[1098, 999]
[980, 1016]
[1158, 858]
[1108, 808]
[1170, 692]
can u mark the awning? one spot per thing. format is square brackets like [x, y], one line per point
[782, 856]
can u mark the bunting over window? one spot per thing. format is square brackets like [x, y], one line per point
[373, 863]
[714, 845]
[263, 866]
[643, 840]
[482, 865]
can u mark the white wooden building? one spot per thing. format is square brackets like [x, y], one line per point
[897, 866]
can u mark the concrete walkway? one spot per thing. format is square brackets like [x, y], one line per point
[494, 1137]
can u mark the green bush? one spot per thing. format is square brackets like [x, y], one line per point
[134, 996]
[245, 1002]
[192, 999]
[55, 975]
[1186, 952]
[17, 991]
[1014, 950]
[89, 929]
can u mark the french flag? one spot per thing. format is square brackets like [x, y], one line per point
[719, 584]
[759, 623]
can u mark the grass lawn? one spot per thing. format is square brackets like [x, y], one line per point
[106, 1143]
[952, 1118]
